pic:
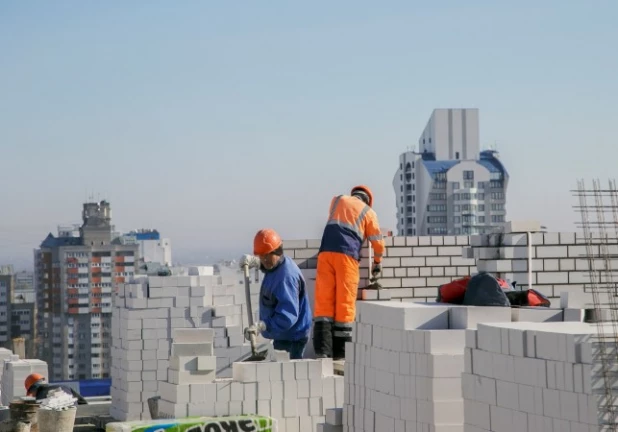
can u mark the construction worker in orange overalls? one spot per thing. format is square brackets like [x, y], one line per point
[351, 220]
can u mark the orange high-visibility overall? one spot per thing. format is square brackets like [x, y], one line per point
[350, 222]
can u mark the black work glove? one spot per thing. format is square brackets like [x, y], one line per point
[376, 269]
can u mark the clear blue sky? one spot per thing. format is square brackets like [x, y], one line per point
[210, 120]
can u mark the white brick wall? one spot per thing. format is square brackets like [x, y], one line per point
[144, 316]
[535, 378]
[414, 267]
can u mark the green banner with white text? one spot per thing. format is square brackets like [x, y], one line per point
[198, 424]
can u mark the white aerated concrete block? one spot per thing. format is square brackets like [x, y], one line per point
[467, 317]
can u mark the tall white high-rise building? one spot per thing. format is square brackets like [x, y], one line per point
[449, 186]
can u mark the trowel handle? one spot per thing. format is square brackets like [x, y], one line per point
[248, 294]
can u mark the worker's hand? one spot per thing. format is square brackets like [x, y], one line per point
[249, 260]
[376, 269]
[255, 330]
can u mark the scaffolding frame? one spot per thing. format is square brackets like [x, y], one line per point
[598, 208]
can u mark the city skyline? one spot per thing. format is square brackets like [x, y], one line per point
[209, 122]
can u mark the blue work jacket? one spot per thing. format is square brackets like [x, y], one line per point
[284, 304]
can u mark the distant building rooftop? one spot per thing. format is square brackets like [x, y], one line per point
[487, 159]
[52, 241]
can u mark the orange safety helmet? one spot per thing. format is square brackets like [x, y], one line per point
[266, 241]
[32, 379]
[364, 189]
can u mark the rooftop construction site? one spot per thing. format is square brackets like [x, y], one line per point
[515, 330]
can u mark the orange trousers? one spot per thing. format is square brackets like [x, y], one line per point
[336, 287]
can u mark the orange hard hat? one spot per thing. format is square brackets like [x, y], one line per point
[266, 241]
[366, 190]
[33, 379]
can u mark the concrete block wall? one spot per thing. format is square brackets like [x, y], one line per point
[147, 310]
[5, 354]
[535, 378]
[295, 393]
[403, 370]
[559, 260]
[414, 267]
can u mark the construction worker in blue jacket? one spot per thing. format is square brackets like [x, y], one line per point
[285, 313]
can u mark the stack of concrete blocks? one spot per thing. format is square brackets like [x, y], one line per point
[333, 421]
[145, 312]
[402, 371]
[296, 393]
[532, 377]
[403, 368]
[192, 367]
[15, 372]
[5, 354]
[412, 267]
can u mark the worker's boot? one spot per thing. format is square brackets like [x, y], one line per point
[342, 333]
[323, 339]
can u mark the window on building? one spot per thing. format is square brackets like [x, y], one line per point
[468, 175]
[437, 231]
[481, 207]
[456, 185]
[457, 219]
[456, 155]
[436, 219]
[481, 219]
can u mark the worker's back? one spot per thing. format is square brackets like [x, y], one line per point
[344, 231]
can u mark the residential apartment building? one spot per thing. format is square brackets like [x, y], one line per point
[76, 273]
[449, 186]
[17, 309]
[7, 283]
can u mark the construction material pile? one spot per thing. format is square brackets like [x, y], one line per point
[58, 400]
